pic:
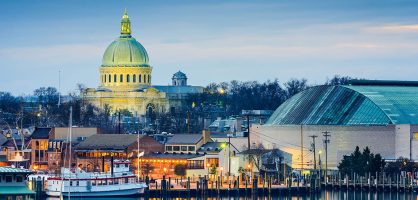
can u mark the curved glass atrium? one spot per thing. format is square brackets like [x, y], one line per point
[365, 104]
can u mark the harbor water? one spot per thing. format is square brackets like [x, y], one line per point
[325, 195]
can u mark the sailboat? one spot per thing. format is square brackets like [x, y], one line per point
[120, 181]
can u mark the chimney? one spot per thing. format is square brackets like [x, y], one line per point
[206, 136]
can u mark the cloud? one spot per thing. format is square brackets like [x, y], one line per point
[55, 54]
[358, 45]
[394, 28]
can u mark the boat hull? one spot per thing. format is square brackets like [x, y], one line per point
[125, 192]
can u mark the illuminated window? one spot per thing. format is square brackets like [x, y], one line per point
[121, 78]
[213, 161]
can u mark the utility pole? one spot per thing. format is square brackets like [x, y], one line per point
[301, 147]
[326, 134]
[188, 122]
[119, 122]
[314, 149]
[248, 125]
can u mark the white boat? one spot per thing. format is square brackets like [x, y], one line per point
[121, 182]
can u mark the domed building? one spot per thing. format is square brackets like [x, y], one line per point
[382, 115]
[126, 75]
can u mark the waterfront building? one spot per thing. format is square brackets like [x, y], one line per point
[197, 153]
[186, 143]
[126, 80]
[382, 115]
[13, 183]
[96, 152]
[40, 142]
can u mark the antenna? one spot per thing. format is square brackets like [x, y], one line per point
[59, 88]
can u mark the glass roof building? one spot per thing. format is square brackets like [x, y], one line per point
[381, 115]
[361, 103]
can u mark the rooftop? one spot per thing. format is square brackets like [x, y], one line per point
[14, 170]
[185, 139]
[107, 142]
[41, 133]
[361, 103]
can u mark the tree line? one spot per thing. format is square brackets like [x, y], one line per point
[45, 107]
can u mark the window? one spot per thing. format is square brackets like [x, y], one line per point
[176, 148]
[114, 78]
[191, 148]
[195, 164]
[19, 179]
[183, 148]
[149, 78]
[9, 179]
[145, 78]
[110, 78]
[140, 78]
[134, 78]
[121, 78]
[104, 78]
[213, 161]
[127, 78]
[169, 148]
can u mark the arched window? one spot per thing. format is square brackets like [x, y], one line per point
[127, 78]
[104, 78]
[145, 78]
[149, 78]
[134, 78]
[140, 78]
[110, 78]
[114, 78]
[121, 78]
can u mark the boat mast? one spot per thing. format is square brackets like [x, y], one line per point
[70, 124]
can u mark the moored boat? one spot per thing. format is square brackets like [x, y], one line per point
[119, 182]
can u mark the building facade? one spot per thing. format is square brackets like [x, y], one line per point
[126, 79]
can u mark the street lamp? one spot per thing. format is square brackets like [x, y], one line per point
[165, 171]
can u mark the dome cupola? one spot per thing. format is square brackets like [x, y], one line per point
[125, 51]
[125, 64]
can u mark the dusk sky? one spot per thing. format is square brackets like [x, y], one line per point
[211, 41]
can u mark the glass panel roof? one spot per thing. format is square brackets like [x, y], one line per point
[340, 105]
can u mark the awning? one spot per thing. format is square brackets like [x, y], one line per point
[15, 190]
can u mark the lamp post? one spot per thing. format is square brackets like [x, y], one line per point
[222, 169]
[249, 170]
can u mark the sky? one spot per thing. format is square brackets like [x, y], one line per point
[211, 41]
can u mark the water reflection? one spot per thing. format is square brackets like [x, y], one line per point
[325, 195]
